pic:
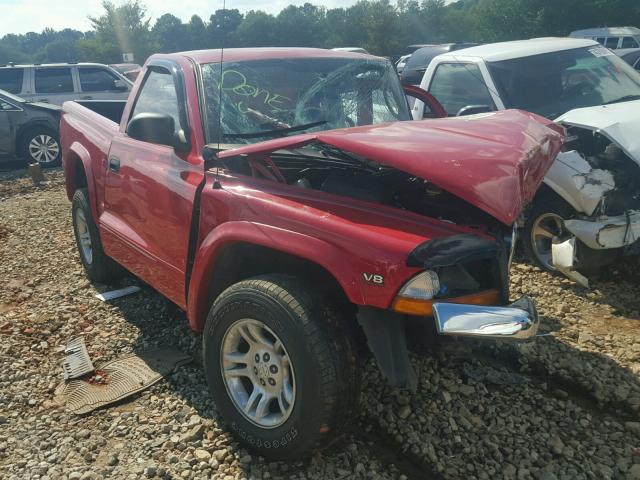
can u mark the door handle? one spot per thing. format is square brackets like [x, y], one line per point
[114, 164]
[86, 97]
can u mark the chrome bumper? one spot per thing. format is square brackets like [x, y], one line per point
[518, 321]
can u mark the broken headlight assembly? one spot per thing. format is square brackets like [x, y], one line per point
[414, 298]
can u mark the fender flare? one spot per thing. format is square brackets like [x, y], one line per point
[78, 153]
[309, 248]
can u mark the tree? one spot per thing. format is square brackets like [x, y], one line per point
[222, 27]
[171, 34]
[197, 33]
[257, 29]
[124, 29]
[300, 26]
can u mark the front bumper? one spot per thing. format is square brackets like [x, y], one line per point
[518, 321]
[607, 232]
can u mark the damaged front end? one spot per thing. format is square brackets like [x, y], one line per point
[599, 176]
[451, 272]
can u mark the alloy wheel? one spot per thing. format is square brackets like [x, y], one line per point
[44, 148]
[544, 229]
[257, 373]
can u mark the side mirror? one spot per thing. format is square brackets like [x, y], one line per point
[473, 109]
[120, 85]
[155, 128]
[432, 107]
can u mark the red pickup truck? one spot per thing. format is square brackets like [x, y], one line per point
[285, 201]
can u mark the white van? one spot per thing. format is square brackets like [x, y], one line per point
[613, 38]
[57, 83]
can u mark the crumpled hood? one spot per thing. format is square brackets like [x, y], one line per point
[619, 122]
[495, 161]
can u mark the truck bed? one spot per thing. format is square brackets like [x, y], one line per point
[111, 109]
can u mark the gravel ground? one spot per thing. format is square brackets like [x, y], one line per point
[566, 406]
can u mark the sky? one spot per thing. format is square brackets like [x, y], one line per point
[21, 16]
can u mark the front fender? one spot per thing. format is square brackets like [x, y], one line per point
[328, 256]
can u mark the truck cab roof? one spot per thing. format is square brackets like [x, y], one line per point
[265, 53]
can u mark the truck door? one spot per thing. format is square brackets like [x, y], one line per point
[150, 190]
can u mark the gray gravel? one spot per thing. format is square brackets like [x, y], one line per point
[564, 407]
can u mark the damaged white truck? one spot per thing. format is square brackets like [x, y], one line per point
[589, 204]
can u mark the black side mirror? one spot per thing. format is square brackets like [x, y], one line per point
[156, 128]
[473, 109]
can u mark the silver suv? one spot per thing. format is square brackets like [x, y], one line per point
[57, 83]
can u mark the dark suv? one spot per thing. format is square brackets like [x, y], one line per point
[419, 61]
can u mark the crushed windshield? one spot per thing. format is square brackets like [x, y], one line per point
[263, 99]
[551, 84]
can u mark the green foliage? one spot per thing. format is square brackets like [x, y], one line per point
[380, 26]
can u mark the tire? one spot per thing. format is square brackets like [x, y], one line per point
[98, 266]
[42, 145]
[588, 260]
[322, 373]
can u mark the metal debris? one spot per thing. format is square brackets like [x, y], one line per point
[77, 362]
[118, 379]
[121, 292]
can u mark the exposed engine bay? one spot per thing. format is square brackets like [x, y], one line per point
[613, 176]
[333, 171]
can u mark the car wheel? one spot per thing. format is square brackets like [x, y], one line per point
[41, 145]
[282, 370]
[546, 221]
[99, 267]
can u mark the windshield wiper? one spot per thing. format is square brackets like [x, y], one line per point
[277, 132]
[626, 98]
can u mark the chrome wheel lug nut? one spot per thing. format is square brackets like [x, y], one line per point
[257, 358]
[255, 370]
[262, 382]
[272, 382]
[273, 369]
[266, 357]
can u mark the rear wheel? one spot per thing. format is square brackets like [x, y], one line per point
[99, 267]
[282, 370]
[41, 145]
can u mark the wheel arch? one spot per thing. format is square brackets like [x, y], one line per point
[228, 257]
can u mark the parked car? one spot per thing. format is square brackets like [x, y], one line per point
[592, 192]
[281, 198]
[57, 83]
[401, 63]
[632, 58]
[128, 70]
[418, 62]
[350, 49]
[29, 130]
[611, 37]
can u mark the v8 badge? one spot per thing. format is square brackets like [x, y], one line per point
[374, 279]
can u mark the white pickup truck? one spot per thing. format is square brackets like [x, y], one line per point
[591, 195]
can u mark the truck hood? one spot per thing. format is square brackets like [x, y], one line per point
[495, 161]
[618, 122]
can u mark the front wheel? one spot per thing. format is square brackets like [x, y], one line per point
[546, 221]
[283, 372]
[41, 145]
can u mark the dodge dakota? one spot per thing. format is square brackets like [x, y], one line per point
[285, 200]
